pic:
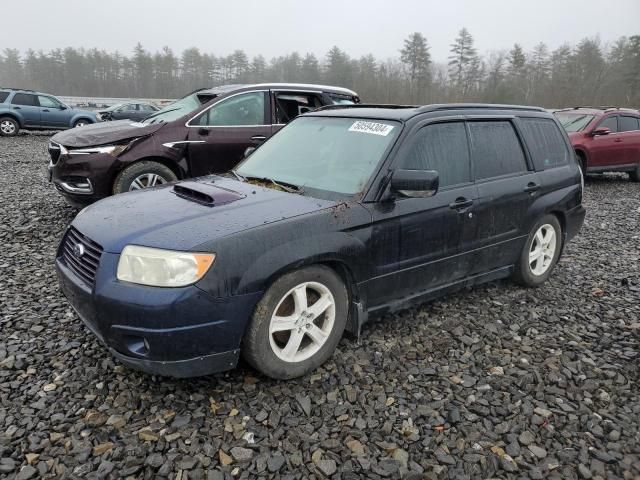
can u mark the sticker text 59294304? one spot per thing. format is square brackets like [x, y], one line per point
[371, 127]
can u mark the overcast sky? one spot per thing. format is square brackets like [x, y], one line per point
[281, 26]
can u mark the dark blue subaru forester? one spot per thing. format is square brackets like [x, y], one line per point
[344, 213]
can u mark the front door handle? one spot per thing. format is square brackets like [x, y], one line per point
[45, 110]
[461, 203]
[16, 108]
[258, 138]
[618, 140]
[532, 187]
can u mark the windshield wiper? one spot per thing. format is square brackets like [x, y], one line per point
[238, 176]
[159, 112]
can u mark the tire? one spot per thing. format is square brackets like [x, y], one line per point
[582, 163]
[81, 123]
[274, 352]
[634, 175]
[141, 175]
[533, 273]
[9, 127]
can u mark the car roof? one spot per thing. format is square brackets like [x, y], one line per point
[406, 112]
[275, 86]
[598, 110]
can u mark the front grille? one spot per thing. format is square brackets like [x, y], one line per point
[81, 255]
[54, 152]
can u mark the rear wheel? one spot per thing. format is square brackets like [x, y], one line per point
[144, 174]
[81, 123]
[297, 324]
[540, 253]
[8, 127]
[582, 163]
[634, 175]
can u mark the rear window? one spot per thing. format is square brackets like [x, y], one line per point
[3, 96]
[495, 149]
[628, 124]
[545, 142]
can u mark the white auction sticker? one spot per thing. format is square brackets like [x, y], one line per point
[371, 127]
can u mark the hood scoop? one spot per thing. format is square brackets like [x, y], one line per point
[205, 194]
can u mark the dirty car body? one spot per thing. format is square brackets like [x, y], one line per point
[277, 214]
[205, 132]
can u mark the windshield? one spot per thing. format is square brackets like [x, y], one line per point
[331, 154]
[574, 122]
[177, 109]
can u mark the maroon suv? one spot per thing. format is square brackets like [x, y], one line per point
[605, 139]
[205, 132]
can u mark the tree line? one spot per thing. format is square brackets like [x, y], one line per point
[586, 73]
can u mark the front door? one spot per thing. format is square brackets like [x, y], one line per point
[420, 244]
[52, 113]
[607, 150]
[219, 136]
[28, 107]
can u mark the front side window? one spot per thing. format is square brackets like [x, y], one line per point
[25, 99]
[545, 142]
[496, 150]
[442, 147]
[611, 123]
[323, 156]
[240, 110]
[48, 102]
[628, 124]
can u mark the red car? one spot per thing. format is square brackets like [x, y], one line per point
[605, 139]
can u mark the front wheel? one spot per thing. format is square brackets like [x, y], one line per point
[81, 123]
[144, 174]
[634, 175]
[540, 253]
[8, 127]
[298, 323]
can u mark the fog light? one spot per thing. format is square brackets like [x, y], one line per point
[79, 186]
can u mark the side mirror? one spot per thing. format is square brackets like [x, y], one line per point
[601, 131]
[415, 183]
[62, 107]
[249, 151]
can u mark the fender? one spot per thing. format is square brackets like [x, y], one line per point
[15, 115]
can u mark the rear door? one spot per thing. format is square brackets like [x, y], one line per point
[52, 113]
[507, 187]
[26, 104]
[219, 135]
[420, 244]
[629, 127]
[607, 150]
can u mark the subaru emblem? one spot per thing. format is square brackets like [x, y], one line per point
[78, 250]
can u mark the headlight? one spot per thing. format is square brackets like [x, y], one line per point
[162, 268]
[114, 150]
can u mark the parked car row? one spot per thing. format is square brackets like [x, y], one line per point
[348, 211]
[127, 111]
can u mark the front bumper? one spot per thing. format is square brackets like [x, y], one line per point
[177, 332]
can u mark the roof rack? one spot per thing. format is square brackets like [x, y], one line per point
[19, 89]
[479, 106]
[606, 108]
[364, 105]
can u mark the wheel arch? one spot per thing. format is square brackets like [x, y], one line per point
[170, 164]
[13, 116]
[581, 153]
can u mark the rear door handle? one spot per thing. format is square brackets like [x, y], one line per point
[618, 140]
[16, 108]
[258, 138]
[45, 110]
[532, 187]
[461, 203]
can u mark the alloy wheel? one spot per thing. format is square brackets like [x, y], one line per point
[146, 180]
[7, 127]
[302, 322]
[80, 124]
[543, 249]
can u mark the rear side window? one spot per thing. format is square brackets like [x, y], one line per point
[442, 147]
[3, 96]
[628, 124]
[611, 123]
[545, 142]
[25, 99]
[496, 149]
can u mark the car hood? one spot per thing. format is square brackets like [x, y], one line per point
[104, 133]
[182, 216]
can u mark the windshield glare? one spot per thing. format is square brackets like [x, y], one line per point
[323, 153]
[574, 122]
[177, 109]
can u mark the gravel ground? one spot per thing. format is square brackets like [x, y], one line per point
[495, 382]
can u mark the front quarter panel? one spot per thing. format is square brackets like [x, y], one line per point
[249, 261]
